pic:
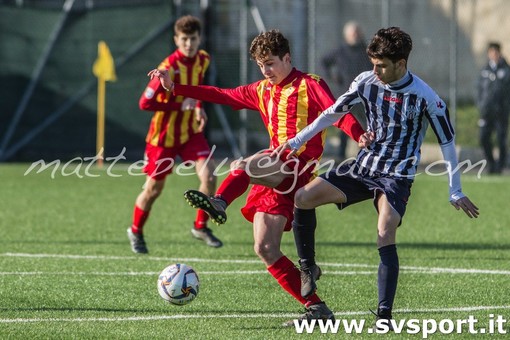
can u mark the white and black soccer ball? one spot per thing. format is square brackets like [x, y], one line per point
[178, 284]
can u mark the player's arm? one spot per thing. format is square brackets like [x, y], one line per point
[350, 125]
[438, 117]
[336, 112]
[238, 98]
[322, 95]
[148, 101]
[457, 198]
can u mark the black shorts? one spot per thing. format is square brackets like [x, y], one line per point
[358, 186]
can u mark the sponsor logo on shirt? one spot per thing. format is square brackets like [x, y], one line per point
[393, 99]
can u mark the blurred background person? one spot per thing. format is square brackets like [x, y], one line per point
[344, 63]
[493, 100]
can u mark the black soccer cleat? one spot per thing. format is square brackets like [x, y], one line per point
[214, 207]
[308, 280]
[383, 318]
[318, 311]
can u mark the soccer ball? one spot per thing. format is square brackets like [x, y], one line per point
[178, 284]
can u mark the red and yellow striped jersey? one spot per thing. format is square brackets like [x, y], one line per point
[285, 108]
[171, 126]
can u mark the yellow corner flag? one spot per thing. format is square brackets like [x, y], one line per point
[104, 67]
[104, 70]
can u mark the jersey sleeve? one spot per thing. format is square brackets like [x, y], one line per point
[450, 157]
[350, 125]
[439, 118]
[336, 113]
[149, 98]
[241, 97]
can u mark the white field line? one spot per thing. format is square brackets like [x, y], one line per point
[226, 272]
[243, 316]
[409, 269]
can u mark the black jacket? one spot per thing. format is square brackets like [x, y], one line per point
[493, 89]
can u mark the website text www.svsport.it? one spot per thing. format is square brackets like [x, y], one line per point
[425, 327]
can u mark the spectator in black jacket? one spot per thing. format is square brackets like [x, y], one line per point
[344, 63]
[493, 100]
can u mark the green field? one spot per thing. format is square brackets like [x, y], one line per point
[67, 271]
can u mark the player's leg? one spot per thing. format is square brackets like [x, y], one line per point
[267, 231]
[486, 128]
[160, 162]
[205, 171]
[502, 137]
[316, 193]
[143, 204]
[387, 275]
[260, 168]
[197, 150]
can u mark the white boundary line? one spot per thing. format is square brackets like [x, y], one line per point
[408, 269]
[243, 316]
[412, 269]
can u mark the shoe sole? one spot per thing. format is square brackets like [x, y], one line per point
[199, 200]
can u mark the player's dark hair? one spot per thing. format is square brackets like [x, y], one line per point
[494, 45]
[188, 24]
[269, 43]
[391, 43]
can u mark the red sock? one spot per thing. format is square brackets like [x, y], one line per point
[234, 185]
[287, 275]
[139, 218]
[201, 219]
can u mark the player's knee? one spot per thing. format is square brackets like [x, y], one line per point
[239, 164]
[153, 191]
[302, 199]
[264, 251]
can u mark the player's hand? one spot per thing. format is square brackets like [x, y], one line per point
[188, 104]
[164, 78]
[465, 204]
[201, 117]
[366, 139]
[281, 148]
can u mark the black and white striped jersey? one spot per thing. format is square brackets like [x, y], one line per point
[399, 114]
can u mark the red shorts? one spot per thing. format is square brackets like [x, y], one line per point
[279, 200]
[161, 160]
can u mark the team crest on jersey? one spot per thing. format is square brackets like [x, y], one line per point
[149, 93]
[411, 112]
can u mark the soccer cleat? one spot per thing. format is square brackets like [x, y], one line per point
[138, 245]
[317, 311]
[213, 206]
[206, 235]
[383, 314]
[308, 278]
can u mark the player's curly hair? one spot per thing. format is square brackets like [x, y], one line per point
[391, 43]
[269, 43]
[187, 24]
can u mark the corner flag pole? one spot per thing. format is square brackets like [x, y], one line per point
[101, 89]
[104, 70]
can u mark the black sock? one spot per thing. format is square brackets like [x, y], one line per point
[303, 226]
[387, 277]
